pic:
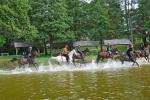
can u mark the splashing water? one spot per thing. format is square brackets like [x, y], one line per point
[109, 65]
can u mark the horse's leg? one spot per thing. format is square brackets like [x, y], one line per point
[97, 59]
[19, 65]
[148, 57]
[102, 59]
[134, 62]
[122, 61]
[35, 65]
[73, 61]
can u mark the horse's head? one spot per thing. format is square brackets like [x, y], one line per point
[34, 53]
[115, 51]
[85, 51]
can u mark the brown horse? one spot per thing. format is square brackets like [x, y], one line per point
[78, 56]
[145, 53]
[140, 54]
[22, 61]
[105, 55]
[124, 58]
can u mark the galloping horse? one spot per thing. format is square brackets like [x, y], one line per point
[145, 54]
[61, 58]
[132, 59]
[22, 61]
[84, 52]
[105, 55]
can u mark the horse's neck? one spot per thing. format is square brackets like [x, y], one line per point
[71, 54]
[84, 52]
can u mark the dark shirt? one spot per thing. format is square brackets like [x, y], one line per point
[129, 51]
[142, 47]
[108, 48]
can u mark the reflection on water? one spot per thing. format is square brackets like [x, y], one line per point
[131, 83]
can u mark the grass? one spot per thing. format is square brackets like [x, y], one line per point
[45, 58]
[39, 59]
[7, 58]
[42, 59]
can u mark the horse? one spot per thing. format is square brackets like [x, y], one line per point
[140, 54]
[123, 58]
[23, 60]
[62, 59]
[84, 52]
[145, 54]
[105, 55]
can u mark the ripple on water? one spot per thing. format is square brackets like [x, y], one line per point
[77, 83]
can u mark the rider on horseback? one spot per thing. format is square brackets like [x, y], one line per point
[79, 51]
[142, 48]
[65, 52]
[129, 50]
[109, 50]
[31, 54]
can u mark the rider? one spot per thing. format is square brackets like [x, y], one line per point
[142, 48]
[109, 49]
[129, 50]
[79, 51]
[65, 52]
[31, 54]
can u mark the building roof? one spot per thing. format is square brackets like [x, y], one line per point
[86, 43]
[19, 45]
[118, 42]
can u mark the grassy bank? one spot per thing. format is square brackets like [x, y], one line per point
[44, 59]
[6, 63]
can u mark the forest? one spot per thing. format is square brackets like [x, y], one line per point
[49, 21]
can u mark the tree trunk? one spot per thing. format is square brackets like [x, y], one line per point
[45, 49]
[101, 43]
[126, 18]
[50, 42]
[144, 38]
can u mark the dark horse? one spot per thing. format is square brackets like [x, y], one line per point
[78, 56]
[132, 59]
[23, 60]
[145, 53]
[105, 55]
[140, 54]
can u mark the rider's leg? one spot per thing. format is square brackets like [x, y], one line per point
[129, 57]
[80, 54]
[110, 54]
[67, 57]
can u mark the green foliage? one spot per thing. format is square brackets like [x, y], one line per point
[2, 40]
[51, 19]
[70, 20]
[15, 20]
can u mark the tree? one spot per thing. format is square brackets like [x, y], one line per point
[52, 20]
[144, 19]
[14, 21]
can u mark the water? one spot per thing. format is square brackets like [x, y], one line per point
[106, 81]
